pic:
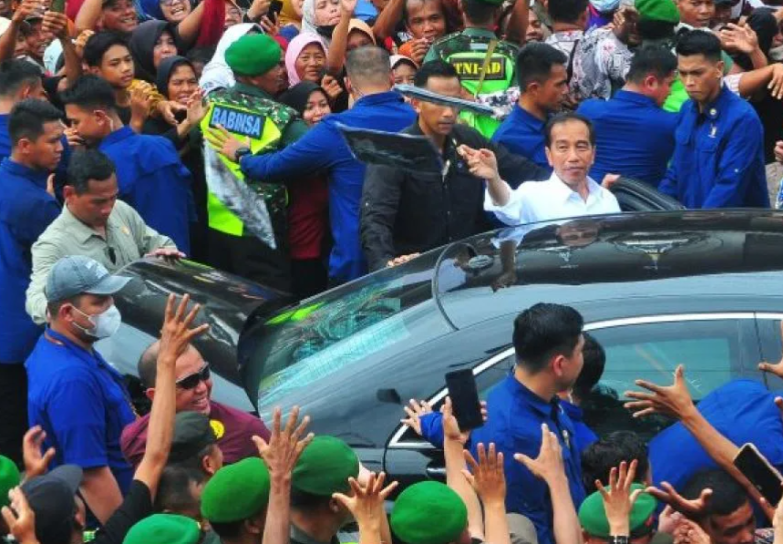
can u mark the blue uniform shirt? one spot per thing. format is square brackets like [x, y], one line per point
[81, 403]
[719, 156]
[153, 181]
[634, 137]
[523, 134]
[584, 435]
[5, 150]
[323, 149]
[514, 418]
[742, 410]
[26, 209]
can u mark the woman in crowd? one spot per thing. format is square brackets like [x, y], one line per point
[150, 43]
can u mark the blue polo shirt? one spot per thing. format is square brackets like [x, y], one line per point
[81, 403]
[523, 134]
[323, 149]
[634, 137]
[26, 209]
[514, 418]
[718, 157]
[742, 410]
[153, 180]
[584, 435]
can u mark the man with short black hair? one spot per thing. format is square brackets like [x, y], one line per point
[92, 223]
[26, 209]
[569, 20]
[150, 173]
[543, 86]
[602, 456]
[19, 80]
[405, 213]
[718, 159]
[728, 518]
[634, 136]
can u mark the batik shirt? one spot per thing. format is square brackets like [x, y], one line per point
[600, 65]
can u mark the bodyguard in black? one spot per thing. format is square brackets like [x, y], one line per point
[405, 213]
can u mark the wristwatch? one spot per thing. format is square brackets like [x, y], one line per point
[618, 540]
[241, 152]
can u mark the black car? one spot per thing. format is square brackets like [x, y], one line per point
[656, 289]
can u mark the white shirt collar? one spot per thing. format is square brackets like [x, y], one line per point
[565, 193]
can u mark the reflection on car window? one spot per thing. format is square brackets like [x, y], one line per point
[311, 342]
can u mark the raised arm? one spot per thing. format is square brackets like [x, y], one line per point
[517, 24]
[89, 15]
[335, 56]
[189, 27]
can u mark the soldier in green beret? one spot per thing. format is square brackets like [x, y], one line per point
[164, 529]
[486, 65]
[249, 112]
[416, 510]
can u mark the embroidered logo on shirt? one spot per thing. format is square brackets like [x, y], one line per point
[125, 230]
[218, 428]
[471, 69]
[238, 122]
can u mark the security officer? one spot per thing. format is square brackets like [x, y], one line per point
[485, 64]
[238, 217]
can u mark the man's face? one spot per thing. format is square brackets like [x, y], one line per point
[570, 152]
[91, 125]
[116, 67]
[535, 31]
[233, 15]
[697, 13]
[701, 77]
[425, 19]
[272, 81]
[660, 89]
[435, 119]
[736, 528]
[46, 150]
[550, 94]
[174, 11]
[722, 15]
[77, 315]
[36, 41]
[120, 15]
[94, 206]
[196, 398]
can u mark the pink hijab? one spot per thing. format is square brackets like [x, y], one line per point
[295, 48]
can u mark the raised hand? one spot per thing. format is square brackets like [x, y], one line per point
[35, 464]
[20, 518]
[366, 503]
[481, 162]
[451, 430]
[487, 476]
[692, 508]
[197, 109]
[332, 88]
[673, 401]
[26, 9]
[549, 464]
[415, 410]
[176, 334]
[224, 143]
[689, 532]
[285, 446]
[618, 499]
[55, 24]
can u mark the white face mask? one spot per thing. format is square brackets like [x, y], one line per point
[104, 324]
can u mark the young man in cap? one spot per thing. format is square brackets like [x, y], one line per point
[92, 223]
[233, 429]
[248, 115]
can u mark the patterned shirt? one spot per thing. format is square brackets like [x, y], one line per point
[600, 65]
[565, 40]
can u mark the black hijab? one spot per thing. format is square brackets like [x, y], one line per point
[142, 46]
[166, 69]
[296, 97]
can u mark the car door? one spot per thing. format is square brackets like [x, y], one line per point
[637, 196]
[769, 329]
[714, 347]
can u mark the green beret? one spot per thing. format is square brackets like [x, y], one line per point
[236, 492]
[420, 504]
[9, 478]
[164, 529]
[253, 55]
[325, 466]
[658, 10]
[592, 515]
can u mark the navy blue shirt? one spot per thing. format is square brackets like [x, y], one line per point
[81, 403]
[634, 137]
[584, 435]
[523, 134]
[153, 181]
[26, 209]
[514, 418]
[742, 410]
[323, 149]
[719, 156]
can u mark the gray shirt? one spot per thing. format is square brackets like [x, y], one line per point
[127, 239]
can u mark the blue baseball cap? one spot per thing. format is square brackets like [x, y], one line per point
[76, 275]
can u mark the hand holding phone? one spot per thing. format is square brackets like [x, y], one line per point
[758, 470]
[465, 399]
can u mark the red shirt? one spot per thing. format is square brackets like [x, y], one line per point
[233, 428]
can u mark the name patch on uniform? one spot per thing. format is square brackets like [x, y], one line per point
[238, 122]
[471, 69]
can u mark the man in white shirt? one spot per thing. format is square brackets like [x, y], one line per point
[570, 150]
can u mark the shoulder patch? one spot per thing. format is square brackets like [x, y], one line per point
[238, 121]
[470, 68]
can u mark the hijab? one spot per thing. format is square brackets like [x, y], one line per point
[361, 26]
[295, 49]
[142, 45]
[309, 25]
[297, 96]
[166, 69]
[288, 14]
[217, 74]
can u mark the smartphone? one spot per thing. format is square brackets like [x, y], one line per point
[274, 10]
[465, 399]
[58, 6]
[760, 472]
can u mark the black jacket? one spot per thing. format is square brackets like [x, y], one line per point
[407, 212]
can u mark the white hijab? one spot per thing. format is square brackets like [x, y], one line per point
[217, 74]
[308, 22]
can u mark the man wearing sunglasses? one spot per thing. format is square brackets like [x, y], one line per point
[234, 429]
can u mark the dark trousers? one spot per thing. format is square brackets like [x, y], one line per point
[308, 277]
[13, 410]
[249, 257]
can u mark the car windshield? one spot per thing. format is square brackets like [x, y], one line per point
[321, 337]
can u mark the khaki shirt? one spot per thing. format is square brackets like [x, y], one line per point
[127, 239]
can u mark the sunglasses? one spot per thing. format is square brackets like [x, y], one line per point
[191, 381]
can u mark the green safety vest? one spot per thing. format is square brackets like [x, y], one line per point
[263, 122]
[482, 72]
